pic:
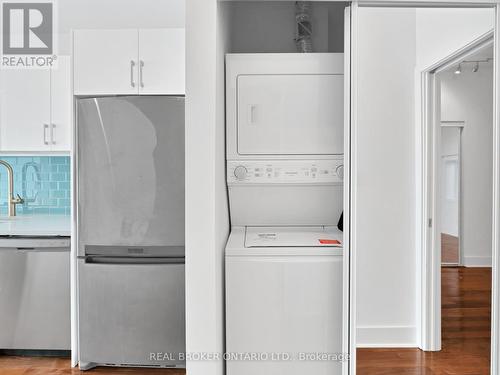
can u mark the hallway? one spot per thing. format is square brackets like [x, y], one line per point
[466, 310]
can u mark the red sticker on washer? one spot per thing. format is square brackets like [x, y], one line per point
[329, 242]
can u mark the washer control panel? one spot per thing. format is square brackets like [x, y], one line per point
[285, 171]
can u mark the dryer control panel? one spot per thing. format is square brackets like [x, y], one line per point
[285, 171]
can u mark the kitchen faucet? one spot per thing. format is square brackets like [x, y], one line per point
[11, 201]
[38, 182]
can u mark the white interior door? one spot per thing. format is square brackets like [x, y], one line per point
[162, 61]
[290, 114]
[105, 62]
[61, 101]
[25, 110]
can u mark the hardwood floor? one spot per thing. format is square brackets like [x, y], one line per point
[449, 249]
[466, 340]
[466, 311]
[57, 366]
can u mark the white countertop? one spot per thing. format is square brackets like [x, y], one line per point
[40, 225]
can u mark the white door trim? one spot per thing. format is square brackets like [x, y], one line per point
[495, 306]
[430, 270]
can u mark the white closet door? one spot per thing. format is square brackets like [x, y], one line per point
[290, 114]
[162, 61]
[349, 275]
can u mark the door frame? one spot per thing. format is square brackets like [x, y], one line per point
[426, 335]
[460, 126]
[431, 212]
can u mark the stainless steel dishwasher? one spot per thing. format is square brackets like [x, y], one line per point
[35, 293]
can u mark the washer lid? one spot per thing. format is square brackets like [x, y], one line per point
[293, 237]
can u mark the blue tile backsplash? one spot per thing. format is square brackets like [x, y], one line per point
[42, 181]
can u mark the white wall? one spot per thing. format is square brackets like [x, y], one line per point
[261, 27]
[116, 14]
[207, 221]
[440, 32]
[384, 190]
[395, 45]
[469, 97]
[450, 139]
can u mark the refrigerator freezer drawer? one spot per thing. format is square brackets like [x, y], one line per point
[34, 300]
[131, 314]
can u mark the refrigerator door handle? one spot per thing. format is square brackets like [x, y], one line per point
[103, 259]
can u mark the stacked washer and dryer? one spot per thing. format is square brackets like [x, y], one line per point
[284, 256]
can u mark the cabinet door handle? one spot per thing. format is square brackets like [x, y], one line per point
[132, 66]
[141, 73]
[53, 133]
[45, 128]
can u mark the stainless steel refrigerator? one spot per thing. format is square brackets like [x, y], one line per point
[130, 231]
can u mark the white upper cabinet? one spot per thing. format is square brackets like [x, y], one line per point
[129, 62]
[162, 61]
[25, 110]
[35, 110]
[105, 62]
[60, 105]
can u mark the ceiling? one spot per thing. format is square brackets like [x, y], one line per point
[485, 53]
[482, 55]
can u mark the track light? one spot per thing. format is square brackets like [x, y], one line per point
[458, 70]
[475, 68]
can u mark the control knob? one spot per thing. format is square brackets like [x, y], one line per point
[340, 171]
[240, 172]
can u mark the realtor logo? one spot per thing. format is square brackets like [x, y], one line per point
[28, 28]
[28, 34]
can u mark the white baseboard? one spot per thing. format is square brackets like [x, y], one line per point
[472, 261]
[386, 337]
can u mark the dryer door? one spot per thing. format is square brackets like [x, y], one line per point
[290, 114]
